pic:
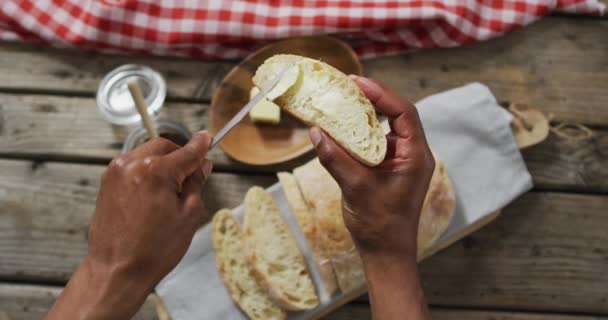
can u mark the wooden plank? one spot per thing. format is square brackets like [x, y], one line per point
[562, 164]
[363, 311]
[541, 247]
[53, 127]
[558, 65]
[25, 302]
[546, 251]
[32, 67]
[50, 127]
[33, 302]
[45, 209]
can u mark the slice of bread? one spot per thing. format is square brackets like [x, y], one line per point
[273, 254]
[308, 225]
[325, 97]
[233, 268]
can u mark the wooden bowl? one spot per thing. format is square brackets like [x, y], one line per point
[265, 144]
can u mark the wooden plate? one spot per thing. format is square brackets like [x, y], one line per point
[264, 144]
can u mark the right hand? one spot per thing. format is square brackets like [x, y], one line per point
[382, 204]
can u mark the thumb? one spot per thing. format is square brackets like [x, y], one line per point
[182, 162]
[341, 165]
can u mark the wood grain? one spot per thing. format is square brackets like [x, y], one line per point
[55, 127]
[546, 251]
[63, 71]
[25, 302]
[50, 127]
[362, 311]
[45, 209]
[541, 247]
[557, 64]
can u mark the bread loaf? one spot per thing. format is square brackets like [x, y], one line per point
[308, 225]
[234, 271]
[323, 96]
[438, 208]
[323, 196]
[273, 254]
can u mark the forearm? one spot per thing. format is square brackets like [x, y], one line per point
[95, 292]
[394, 288]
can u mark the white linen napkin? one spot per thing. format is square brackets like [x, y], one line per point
[465, 127]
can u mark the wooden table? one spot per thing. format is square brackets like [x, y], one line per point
[545, 257]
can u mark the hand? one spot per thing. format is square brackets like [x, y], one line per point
[381, 205]
[148, 209]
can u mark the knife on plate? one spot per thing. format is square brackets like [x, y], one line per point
[241, 114]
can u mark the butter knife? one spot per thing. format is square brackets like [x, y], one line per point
[241, 114]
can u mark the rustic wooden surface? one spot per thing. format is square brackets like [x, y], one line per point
[546, 257]
[31, 302]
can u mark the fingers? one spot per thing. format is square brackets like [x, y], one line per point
[193, 188]
[154, 147]
[341, 165]
[184, 161]
[195, 182]
[403, 116]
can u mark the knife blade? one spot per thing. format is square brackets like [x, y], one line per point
[243, 112]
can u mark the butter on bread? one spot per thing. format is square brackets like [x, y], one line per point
[306, 220]
[234, 271]
[273, 254]
[265, 110]
[325, 97]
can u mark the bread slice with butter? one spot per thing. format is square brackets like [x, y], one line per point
[321, 95]
[273, 254]
[306, 220]
[234, 271]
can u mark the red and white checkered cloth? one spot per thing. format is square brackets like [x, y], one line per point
[229, 29]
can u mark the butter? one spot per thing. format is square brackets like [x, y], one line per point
[287, 81]
[265, 110]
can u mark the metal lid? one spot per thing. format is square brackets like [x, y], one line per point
[114, 100]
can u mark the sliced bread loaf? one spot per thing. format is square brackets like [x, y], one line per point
[273, 254]
[308, 225]
[438, 208]
[233, 268]
[325, 97]
[324, 197]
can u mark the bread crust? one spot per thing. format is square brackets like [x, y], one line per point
[309, 228]
[347, 87]
[219, 222]
[280, 295]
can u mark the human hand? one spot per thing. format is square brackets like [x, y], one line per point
[382, 204]
[148, 208]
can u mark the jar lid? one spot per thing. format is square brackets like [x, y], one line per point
[114, 100]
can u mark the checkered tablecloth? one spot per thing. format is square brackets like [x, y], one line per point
[229, 29]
